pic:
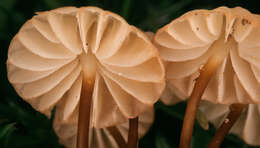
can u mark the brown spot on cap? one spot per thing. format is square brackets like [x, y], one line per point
[245, 22]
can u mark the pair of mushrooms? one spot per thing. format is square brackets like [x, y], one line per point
[99, 72]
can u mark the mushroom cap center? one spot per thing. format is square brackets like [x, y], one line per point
[221, 47]
[89, 66]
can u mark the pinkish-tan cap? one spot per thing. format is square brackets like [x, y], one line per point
[186, 43]
[247, 126]
[54, 50]
[99, 137]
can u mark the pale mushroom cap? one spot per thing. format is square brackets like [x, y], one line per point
[247, 126]
[99, 138]
[52, 52]
[187, 42]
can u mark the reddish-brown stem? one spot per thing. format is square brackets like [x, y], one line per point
[219, 51]
[118, 137]
[133, 133]
[193, 103]
[234, 114]
[192, 107]
[201, 83]
[84, 114]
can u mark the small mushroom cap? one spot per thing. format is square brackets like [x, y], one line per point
[186, 43]
[247, 126]
[99, 137]
[52, 53]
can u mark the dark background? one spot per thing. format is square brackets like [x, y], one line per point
[22, 127]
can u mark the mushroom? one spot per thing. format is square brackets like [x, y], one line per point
[247, 125]
[108, 137]
[85, 57]
[211, 54]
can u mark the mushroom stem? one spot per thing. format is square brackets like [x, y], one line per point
[235, 112]
[193, 103]
[133, 133]
[84, 113]
[118, 137]
[206, 73]
[219, 51]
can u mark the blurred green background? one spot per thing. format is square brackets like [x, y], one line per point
[22, 127]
